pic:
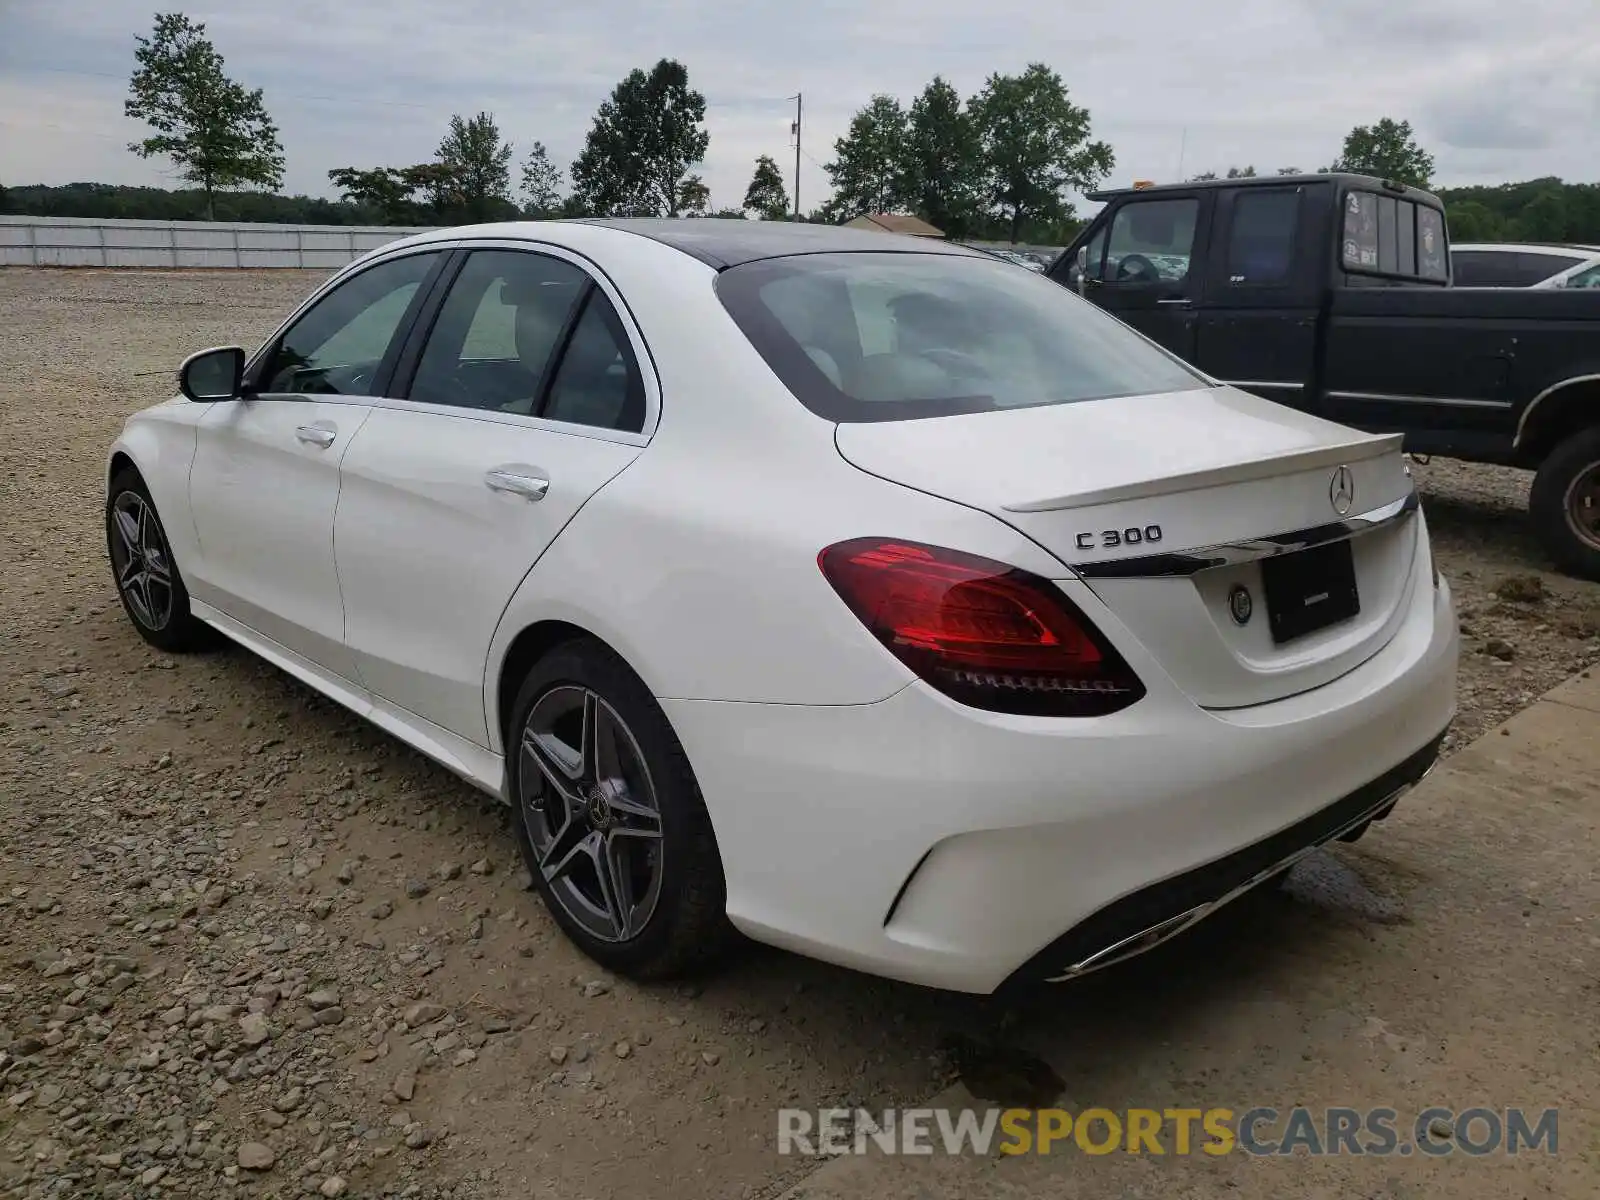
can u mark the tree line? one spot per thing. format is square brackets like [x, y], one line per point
[996, 165]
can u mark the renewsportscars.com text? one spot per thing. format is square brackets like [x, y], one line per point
[1261, 1131]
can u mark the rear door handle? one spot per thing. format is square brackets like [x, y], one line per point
[320, 434]
[1177, 302]
[517, 482]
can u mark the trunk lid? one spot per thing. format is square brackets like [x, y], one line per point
[1170, 506]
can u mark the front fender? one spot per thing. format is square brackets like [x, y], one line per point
[160, 442]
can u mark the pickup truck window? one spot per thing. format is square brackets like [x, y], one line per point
[1261, 240]
[1151, 241]
[1433, 255]
[1386, 235]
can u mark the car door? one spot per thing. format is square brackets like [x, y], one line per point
[1146, 270]
[1258, 321]
[526, 396]
[265, 479]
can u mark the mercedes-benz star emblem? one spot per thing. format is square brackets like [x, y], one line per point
[1342, 490]
[1240, 606]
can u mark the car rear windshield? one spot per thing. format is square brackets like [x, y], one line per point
[898, 336]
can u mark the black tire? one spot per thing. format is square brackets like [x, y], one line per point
[686, 928]
[167, 626]
[1573, 464]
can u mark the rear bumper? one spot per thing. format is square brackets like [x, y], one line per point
[1155, 914]
[925, 841]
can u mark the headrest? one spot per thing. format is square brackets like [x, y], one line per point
[545, 293]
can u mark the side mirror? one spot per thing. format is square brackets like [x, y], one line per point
[215, 374]
[1083, 269]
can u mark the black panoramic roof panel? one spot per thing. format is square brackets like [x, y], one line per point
[729, 242]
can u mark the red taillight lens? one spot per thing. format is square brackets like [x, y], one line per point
[981, 632]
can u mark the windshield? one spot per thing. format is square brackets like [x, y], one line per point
[887, 337]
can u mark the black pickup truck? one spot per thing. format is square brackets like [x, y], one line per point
[1332, 293]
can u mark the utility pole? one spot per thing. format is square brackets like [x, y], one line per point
[796, 131]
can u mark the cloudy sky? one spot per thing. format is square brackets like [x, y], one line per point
[1496, 90]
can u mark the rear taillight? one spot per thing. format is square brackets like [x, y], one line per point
[981, 632]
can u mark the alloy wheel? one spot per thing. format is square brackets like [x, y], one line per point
[1583, 505]
[141, 561]
[591, 812]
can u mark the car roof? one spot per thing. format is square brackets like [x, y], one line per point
[1254, 181]
[723, 242]
[1564, 248]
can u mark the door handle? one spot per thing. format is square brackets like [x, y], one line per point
[1177, 302]
[529, 487]
[317, 435]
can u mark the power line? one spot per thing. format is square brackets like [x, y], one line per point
[110, 137]
[752, 102]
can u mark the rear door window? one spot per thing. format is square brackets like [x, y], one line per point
[1486, 268]
[1261, 237]
[1539, 267]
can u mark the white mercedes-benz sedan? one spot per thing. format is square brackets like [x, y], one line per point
[859, 593]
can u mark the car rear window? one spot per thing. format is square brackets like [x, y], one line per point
[898, 336]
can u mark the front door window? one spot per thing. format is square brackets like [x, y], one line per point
[338, 344]
[1151, 242]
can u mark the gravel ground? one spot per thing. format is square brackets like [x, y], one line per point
[253, 947]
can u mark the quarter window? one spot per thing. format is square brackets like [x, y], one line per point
[1151, 242]
[597, 382]
[338, 345]
[1261, 240]
[1585, 279]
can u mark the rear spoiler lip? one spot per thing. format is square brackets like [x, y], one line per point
[1359, 449]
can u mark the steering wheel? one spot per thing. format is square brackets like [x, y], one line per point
[1136, 268]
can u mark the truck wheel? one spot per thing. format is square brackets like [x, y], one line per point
[1565, 504]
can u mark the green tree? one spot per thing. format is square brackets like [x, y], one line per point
[216, 131]
[694, 197]
[767, 197]
[541, 184]
[382, 191]
[1241, 173]
[942, 160]
[867, 168]
[440, 186]
[1386, 150]
[1035, 146]
[479, 164]
[1289, 171]
[1203, 177]
[1471, 221]
[646, 137]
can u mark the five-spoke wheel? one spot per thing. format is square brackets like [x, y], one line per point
[141, 561]
[591, 813]
[147, 578]
[610, 819]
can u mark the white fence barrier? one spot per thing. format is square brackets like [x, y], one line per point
[87, 242]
